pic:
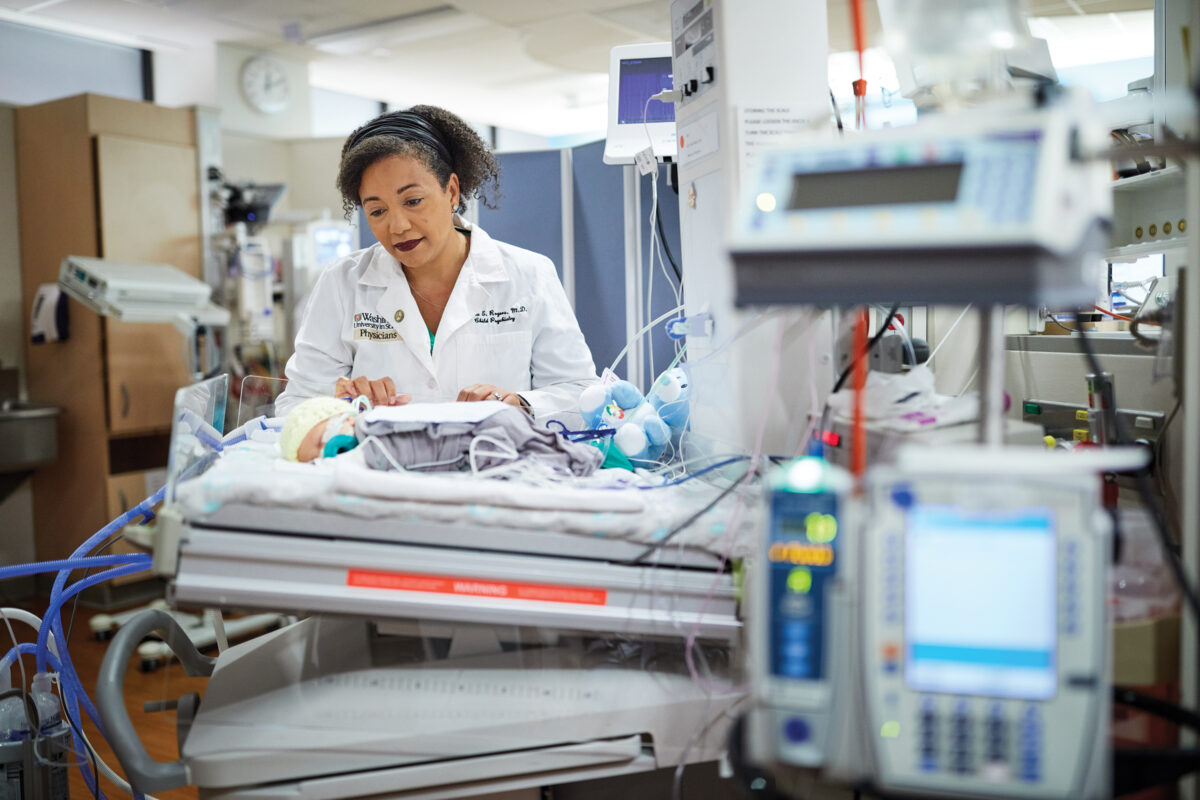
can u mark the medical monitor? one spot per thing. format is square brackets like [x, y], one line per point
[330, 241]
[635, 73]
[981, 610]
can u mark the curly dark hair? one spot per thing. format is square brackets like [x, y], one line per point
[477, 169]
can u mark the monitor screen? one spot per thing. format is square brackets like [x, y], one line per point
[639, 79]
[980, 602]
[875, 186]
[331, 243]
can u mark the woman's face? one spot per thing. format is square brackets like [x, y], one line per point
[409, 213]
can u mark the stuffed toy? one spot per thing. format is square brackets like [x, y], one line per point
[670, 395]
[642, 431]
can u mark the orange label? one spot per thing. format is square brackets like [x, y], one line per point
[475, 587]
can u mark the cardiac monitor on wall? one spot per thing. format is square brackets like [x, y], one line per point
[635, 73]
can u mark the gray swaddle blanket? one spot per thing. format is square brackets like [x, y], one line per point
[502, 437]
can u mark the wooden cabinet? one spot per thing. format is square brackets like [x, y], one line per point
[124, 492]
[100, 176]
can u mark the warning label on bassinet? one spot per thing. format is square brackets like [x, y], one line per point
[476, 587]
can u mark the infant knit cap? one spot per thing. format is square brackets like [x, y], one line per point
[302, 419]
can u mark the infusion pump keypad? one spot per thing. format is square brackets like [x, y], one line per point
[965, 694]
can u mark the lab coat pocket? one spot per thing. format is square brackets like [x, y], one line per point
[501, 359]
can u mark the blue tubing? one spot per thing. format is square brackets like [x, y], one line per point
[687, 478]
[54, 616]
[144, 510]
[35, 567]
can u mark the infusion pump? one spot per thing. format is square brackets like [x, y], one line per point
[985, 661]
[943, 634]
[999, 203]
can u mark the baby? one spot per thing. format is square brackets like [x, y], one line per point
[430, 437]
[320, 427]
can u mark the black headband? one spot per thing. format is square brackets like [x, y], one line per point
[405, 125]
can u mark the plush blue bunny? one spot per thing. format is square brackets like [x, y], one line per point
[670, 394]
[640, 433]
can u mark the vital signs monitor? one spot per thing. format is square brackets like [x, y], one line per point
[635, 73]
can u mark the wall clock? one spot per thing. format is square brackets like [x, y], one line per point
[265, 84]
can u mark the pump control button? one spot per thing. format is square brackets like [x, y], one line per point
[797, 730]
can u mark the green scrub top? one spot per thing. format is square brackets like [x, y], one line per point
[430, 341]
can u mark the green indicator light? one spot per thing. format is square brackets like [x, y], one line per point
[890, 730]
[799, 581]
[1033, 408]
[820, 528]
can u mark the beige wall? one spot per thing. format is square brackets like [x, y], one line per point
[312, 173]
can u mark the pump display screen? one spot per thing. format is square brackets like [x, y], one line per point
[888, 186]
[980, 602]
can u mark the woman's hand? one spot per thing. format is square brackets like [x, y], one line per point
[485, 391]
[380, 391]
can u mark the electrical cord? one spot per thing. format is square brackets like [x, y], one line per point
[1165, 709]
[667, 247]
[841, 381]
[1143, 484]
[1049, 318]
[1153, 318]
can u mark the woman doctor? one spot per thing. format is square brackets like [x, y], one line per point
[437, 310]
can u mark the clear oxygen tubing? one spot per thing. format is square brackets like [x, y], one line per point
[946, 336]
[637, 336]
[735, 517]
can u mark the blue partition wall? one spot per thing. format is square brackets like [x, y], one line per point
[599, 253]
[529, 211]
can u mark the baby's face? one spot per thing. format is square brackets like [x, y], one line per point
[313, 444]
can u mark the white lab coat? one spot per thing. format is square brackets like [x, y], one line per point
[507, 323]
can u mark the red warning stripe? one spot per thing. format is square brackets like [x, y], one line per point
[475, 587]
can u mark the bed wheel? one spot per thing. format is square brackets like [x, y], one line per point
[150, 664]
[104, 635]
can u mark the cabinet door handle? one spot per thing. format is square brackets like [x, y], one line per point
[124, 401]
[122, 500]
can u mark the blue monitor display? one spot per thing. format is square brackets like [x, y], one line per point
[640, 78]
[981, 602]
[330, 244]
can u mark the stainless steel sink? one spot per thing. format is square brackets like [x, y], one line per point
[28, 435]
